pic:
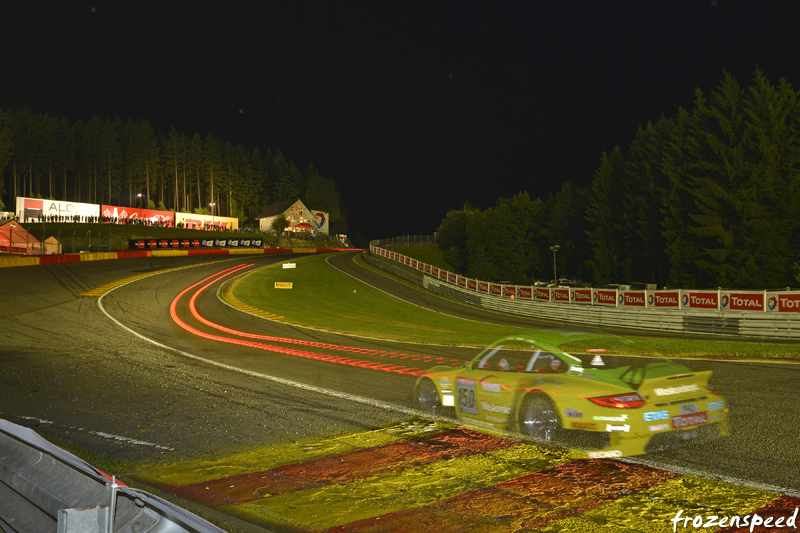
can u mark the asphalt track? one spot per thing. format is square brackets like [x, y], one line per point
[118, 375]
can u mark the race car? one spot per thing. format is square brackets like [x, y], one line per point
[608, 405]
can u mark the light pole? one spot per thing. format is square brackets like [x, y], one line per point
[554, 248]
[211, 205]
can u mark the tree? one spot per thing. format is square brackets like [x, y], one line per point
[605, 233]
[6, 148]
[279, 224]
[563, 222]
[452, 235]
[322, 194]
[111, 148]
[175, 157]
[212, 162]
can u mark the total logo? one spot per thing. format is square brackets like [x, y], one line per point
[685, 299]
[650, 300]
[724, 301]
[620, 299]
[594, 296]
[772, 303]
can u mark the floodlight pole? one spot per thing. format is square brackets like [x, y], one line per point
[555, 248]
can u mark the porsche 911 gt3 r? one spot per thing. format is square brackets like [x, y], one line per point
[606, 404]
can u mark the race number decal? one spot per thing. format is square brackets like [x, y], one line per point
[466, 396]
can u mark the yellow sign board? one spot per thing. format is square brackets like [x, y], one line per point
[283, 284]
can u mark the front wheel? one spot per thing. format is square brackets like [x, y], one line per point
[538, 418]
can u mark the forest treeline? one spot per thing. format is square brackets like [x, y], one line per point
[708, 198]
[128, 163]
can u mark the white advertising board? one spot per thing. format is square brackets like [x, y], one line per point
[38, 210]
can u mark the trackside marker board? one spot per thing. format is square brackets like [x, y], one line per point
[283, 284]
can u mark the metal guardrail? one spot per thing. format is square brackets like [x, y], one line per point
[742, 323]
[45, 488]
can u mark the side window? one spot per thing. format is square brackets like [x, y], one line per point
[547, 363]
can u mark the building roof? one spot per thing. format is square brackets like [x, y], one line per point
[277, 208]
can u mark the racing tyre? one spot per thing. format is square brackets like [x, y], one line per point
[427, 398]
[538, 418]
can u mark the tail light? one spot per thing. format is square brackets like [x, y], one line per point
[620, 401]
[712, 390]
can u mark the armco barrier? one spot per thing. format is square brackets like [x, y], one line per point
[44, 488]
[23, 260]
[707, 312]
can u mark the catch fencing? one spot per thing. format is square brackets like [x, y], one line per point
[764, 314]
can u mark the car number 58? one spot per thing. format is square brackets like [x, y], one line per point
[466, 396]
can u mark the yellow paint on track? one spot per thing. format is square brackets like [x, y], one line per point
[344, 503]
[518, 486]
[652, 510]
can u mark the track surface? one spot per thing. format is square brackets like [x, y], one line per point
[68, 369]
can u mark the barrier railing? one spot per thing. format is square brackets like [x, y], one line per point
[767, 313]
[45, 488]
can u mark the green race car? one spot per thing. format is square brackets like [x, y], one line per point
[608, 405]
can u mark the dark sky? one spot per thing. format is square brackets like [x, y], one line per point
[412, 107]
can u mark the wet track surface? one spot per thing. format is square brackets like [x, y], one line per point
[71, 366]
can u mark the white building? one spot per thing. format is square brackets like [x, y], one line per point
[299, 216]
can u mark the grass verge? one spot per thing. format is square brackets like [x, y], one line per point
[322, 297]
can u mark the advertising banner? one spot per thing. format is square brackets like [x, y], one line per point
[581, 296]
[561, 295]
[664, 299]
[525, 292]
[462, 282]
[495, 289]
[742, 301]
[435, 272]
[604, 297]
[115, 214]
[543, 295]
[451, 278]
[38, 210]
[783, 302]
[510, 291]
[632, 299]
[700, 299]
[195, 221]
[472, 284]
[483, 286]
[443, 274]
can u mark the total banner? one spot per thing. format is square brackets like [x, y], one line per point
[784, 302]
[604, 297]
[700, 299]
[742, 301]
[668, 299]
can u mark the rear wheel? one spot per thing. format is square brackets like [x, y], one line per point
[538, 418]
[427, 398]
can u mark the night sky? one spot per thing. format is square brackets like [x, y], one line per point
[412, 107]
